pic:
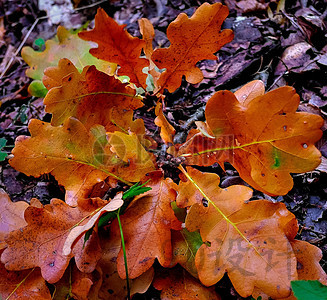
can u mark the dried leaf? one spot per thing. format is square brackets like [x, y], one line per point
[77, 158]
[146, 224]
[178, 284]
[117, 46]
[11, 216]
[78, 231]
[14, 287]
[263, 137]
[40, 243]
[113, 287]
[67, 45]
[167, 131]
[77, 285]
[90, 96]
[192, 39]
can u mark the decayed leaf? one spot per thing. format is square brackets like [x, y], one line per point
[40, 243]
[147, 223]
[89, 96]
[77, 285]
[185, 245]
[77, 158]
[249, 241]
[68, 45]
[167, 131]
[116, 45]
[178, 284]
[192, 39]
[11, 216]
[33, 287]
[113, 287]
[263, 137]
[78, 231]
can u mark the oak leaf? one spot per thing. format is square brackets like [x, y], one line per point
[117, 46]
[176, 283]
[66, 45]
[262, 136]
[40, 243]
[27, 284]
[75, 284]
[113, 287]
[192, 39]
[90, 96]
[11, 216]
[78, 158]
[167, 131]
[147, 224]
[250, 242]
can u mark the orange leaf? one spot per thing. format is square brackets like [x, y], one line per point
[77, 285]
[116, 45]
[251, 244]
[146, 225]
[178, 284]
[192, 39]
[167, 131]
[113, 287]
[11, 216]
[27, 284]
[76, 157]
[89, 97]
[263, 137]
[40, 243]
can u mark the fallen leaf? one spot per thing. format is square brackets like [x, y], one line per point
[263, 137]
[251, 245]
[146, 224]
[11, 216]
[76, 157]
[66, 45]
[77, 285]
[27, 284]
[167, 131]
[191, 40]
[78, 231]
[117, 46]
[40, 243]
[113, 287]
[178, 284]
[89, 96]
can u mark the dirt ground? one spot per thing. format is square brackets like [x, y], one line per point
[278, 45]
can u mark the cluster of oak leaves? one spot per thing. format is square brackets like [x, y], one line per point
[93, 142]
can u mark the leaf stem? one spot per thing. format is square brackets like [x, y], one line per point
[125, 257]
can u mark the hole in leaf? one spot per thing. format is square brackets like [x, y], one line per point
[304, 145]
[205, 202]
[285, 127]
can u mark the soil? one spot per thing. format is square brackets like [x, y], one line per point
[277, 46]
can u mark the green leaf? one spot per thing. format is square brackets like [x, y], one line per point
[309, 290]
[37, 89]
[136, 190]
[3, 143]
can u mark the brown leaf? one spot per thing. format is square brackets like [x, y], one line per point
[11, 216]
[116, 45]
[76, 157]
[113, 287]
[146, 224]
[90, 96]
[40, 243]
[192, 39]
[27, 284]
[263, 137]
[177, 283]
[167, 131]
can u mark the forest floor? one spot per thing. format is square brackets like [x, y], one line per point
[278, 45]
